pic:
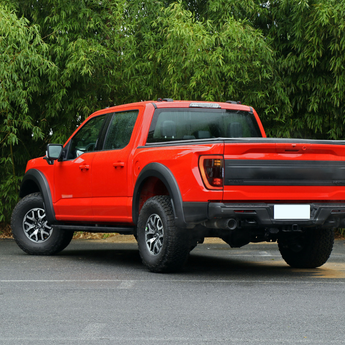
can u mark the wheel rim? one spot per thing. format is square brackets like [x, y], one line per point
[154, 233]
[35, 226]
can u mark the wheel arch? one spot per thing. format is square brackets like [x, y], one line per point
[161, 174]
[35, 181]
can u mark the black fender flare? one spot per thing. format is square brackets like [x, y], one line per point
[37, 177]
[166, 176]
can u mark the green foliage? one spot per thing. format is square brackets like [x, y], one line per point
[193, 60]
[60, 60]
[308, 37]
[22, 63]
[86, 42]
[341, 232]
[186, 56]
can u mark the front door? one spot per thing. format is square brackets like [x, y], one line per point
[73, 176]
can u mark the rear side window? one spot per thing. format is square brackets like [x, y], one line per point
[189, 124]
[120, 130]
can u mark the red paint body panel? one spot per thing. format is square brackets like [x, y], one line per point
[284, 152]
[73, 187]
[283, 193]
[182, 161]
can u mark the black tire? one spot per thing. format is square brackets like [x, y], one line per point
[31, 230]
[162, 246]
[310, 250]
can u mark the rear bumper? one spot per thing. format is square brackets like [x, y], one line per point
[262, 214]
[328, 215]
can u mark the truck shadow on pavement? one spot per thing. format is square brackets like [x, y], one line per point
[122, 254]
[240, 268]
[219, 264]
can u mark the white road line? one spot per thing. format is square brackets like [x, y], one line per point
[126, 284]
[92, 330]
[265, 254]
[184, 340]
[212, 281]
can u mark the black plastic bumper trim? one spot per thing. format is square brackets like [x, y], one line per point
[195, 212]
[262, 213]
[94, 228]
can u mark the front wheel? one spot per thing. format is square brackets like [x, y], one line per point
[31, 230]
[162, 246]
[312, 249]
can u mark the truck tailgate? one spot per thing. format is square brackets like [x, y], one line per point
[284, 169]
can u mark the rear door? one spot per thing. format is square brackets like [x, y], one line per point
[111, 166]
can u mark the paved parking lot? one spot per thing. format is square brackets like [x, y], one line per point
[98, 292]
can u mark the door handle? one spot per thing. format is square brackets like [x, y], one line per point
[86, 167]
[118, 165]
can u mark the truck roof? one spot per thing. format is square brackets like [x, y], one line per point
[177, 104]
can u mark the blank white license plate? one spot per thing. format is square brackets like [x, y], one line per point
[292, 212]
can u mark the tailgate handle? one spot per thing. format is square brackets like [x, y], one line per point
[118, 165]
[292, 148]
[82, 167]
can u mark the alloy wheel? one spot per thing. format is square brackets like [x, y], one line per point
[35, 226]
[154, 233]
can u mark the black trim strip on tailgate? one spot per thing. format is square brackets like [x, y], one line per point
[284, 173]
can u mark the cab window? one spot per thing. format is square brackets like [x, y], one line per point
[189, 124]
[86, 138]
[120, 130]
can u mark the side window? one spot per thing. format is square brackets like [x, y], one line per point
[120, 130]
[86, 138]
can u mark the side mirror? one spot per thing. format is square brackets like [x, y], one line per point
[53, 152]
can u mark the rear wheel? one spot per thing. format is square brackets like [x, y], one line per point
[162, 246]
[31, 230]
[310, 250]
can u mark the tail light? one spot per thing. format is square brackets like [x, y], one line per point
[212, 171]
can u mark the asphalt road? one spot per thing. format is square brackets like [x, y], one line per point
[96, 292]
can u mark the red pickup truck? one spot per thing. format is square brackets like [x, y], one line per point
[175, 172]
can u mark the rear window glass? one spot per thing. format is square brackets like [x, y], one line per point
[189, 124]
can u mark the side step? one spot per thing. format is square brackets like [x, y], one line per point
[96, 228]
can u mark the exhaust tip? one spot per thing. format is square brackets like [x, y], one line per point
[232, 224]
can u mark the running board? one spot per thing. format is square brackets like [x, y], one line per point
[95, 228]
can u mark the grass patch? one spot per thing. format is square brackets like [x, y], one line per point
[91, 235]
[339, 233]
[5, 231]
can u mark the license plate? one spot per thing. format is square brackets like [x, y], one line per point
[292, 212]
